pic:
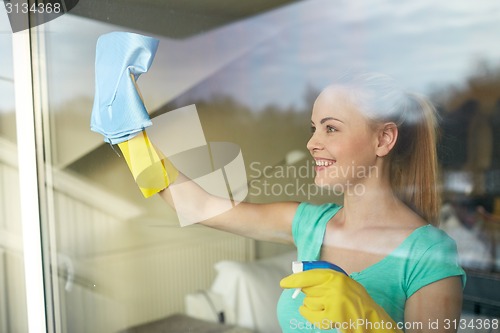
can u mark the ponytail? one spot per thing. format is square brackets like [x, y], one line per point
[414, 166]
[413, 160]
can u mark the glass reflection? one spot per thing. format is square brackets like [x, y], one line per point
[122, 260]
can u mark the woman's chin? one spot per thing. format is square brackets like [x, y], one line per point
[326, 183]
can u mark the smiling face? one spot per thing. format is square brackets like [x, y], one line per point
[343, 143]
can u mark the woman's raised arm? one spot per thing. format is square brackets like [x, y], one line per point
[268, 222]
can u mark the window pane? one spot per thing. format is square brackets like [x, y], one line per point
[253, 69]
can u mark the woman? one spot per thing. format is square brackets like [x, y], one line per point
[407, 266]
[378, 143]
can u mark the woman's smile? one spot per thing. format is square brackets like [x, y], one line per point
[321, 164]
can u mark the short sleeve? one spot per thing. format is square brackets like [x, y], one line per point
[308, 228]
[437, 261]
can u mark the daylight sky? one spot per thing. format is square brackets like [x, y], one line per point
[271, 58]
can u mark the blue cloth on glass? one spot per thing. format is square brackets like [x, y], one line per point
[119, 112]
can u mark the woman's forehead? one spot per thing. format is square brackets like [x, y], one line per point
[335, 99]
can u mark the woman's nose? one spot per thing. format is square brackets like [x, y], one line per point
[313, 143]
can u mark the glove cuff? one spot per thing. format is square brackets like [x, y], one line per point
[152, 171]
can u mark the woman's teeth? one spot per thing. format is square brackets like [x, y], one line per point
[323, 163]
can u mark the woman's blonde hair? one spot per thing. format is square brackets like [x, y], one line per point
[414, 166]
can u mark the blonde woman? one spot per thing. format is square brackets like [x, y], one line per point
[402, 271]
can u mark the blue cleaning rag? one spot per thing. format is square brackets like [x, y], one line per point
[119, 112]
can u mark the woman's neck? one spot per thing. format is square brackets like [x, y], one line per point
[370, 203]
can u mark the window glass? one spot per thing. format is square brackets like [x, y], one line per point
[253, 72]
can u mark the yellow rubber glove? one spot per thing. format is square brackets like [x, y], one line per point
[152, 171]
[334, 300]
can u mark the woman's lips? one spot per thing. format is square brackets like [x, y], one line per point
[323, 163]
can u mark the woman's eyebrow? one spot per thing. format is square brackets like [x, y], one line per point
[330, 118]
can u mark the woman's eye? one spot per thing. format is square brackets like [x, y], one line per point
[330, 129]
[313, 129]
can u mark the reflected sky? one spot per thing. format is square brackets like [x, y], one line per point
[422, 44]
[272, 58]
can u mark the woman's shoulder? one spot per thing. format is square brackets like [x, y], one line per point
[421, 236]
[430, 241]
[312, 209]
[310, 216]
[434, 256]
[433, 235]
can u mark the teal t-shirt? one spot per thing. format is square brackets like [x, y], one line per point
[427, 255]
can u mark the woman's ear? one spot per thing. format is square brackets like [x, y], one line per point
[387, 137]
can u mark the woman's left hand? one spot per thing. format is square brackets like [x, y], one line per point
[334, 300]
